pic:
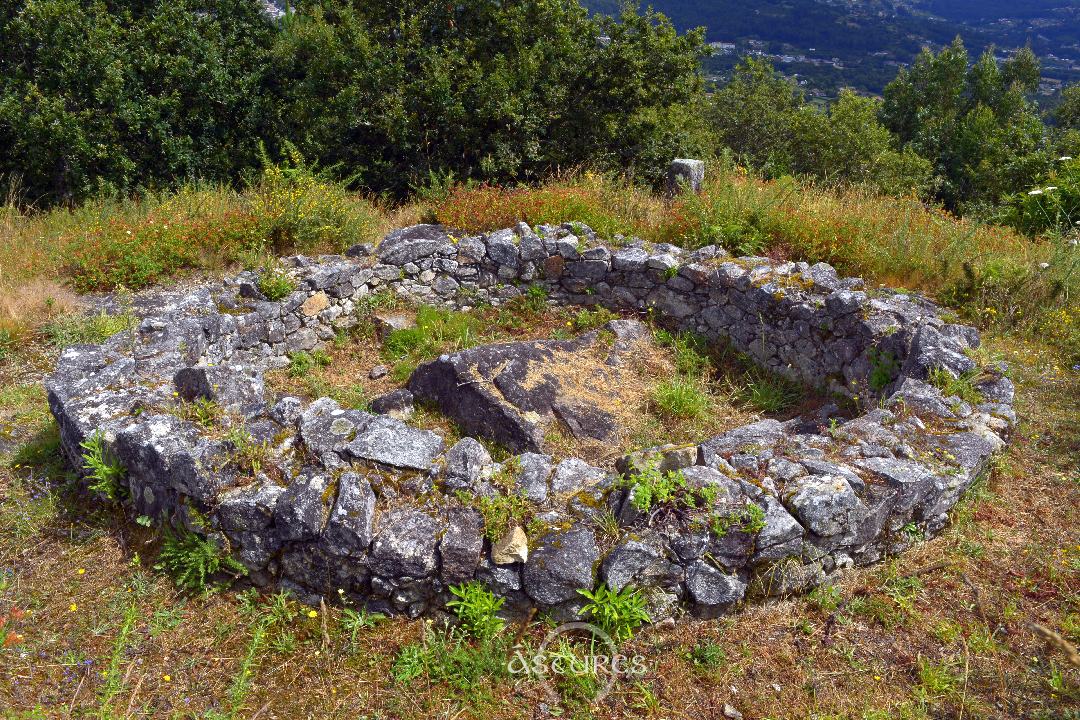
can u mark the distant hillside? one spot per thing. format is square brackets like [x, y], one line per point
[832, 43]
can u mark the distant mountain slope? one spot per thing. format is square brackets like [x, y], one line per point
[861, 43]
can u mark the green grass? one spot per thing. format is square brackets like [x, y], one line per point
[437, 331]
[681, 397]
[94, 328]
[769, 393]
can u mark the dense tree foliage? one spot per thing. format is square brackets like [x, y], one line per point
[125, 95]
[765, 120]
[131, 93]
[974, 122]
[111, 97]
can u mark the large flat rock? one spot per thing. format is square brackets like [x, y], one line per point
[512, 392]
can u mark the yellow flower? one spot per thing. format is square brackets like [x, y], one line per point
[81, 571]
[312, 614]
[167, 678]
[73, 607]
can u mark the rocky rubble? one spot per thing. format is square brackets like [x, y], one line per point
[326, 501]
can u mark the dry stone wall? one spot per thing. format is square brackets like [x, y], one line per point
[345, 503]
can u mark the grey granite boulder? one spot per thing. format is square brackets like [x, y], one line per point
[713, 591]
[349, 527]
[461, 545]
[826, 505]
[466, 463]
[412, 243]
[510, 392]
[234, 389]
[561, 564]
[388, 441]
[405, 544]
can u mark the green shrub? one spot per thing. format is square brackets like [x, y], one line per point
[192, 559]
[616, 612]
[303, 362]
[648, 486]
[104, 471]
[962, 387]
[884, 368]
[477, 608]
[247, 456]
[302, 209]
[750, 519]
[500, 511]
[276, 284]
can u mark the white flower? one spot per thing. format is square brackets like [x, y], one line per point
[1065, 158]
[1051, 188]
[1035, 192]
[1043, 266]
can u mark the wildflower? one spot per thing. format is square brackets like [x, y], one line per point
[167, 678]
[1051, 188]
[1065, 158]
[81, 571]
[73, 607]
[1043, 265]
[313, 614]
[1036, 191]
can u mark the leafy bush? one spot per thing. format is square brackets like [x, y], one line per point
[500, 511]
[648, 486]
[477, 608]
[884, 368]
[300, 209]
[750, 519]
[616, 612]
[105, 472]
[1052, 207]
[276, 284]
[191, 559]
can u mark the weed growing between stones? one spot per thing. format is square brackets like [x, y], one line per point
[477, 608]
[951, 385]
[247, 455]
[617, 612]
[192, 560]
[884, 367]
[68, 330]
[650, 487]
[202, 411]
[750, 519]
[275, 283]
[105, 472]
[303, 362]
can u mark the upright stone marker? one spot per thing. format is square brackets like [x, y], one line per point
[690, 173]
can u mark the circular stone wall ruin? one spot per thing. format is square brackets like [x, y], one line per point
[361, 505]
